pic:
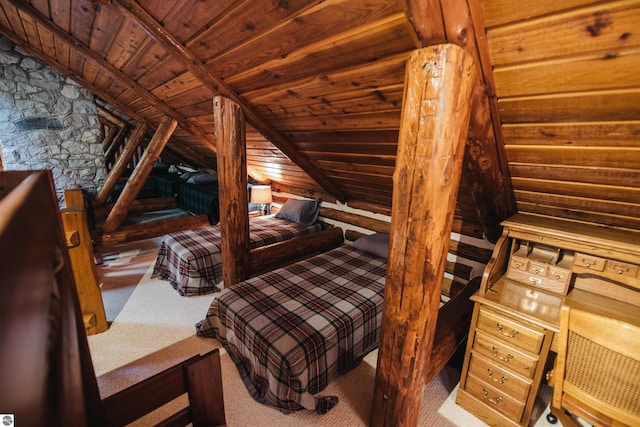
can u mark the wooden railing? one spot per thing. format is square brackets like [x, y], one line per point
[80, 247]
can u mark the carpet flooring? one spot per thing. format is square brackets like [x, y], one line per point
[152, 328]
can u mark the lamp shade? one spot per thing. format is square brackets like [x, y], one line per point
[261, 194]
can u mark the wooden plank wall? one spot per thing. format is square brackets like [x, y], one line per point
[568, 87]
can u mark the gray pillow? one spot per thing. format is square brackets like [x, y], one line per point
[203, 178]
[375, 244]
[303, 212]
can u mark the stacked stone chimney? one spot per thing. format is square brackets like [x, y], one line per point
[47, 121]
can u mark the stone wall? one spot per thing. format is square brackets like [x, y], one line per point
[48, 121]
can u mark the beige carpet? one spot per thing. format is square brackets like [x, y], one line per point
[154, 329]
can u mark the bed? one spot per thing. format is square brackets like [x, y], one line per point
[292, 330]
[191, 260]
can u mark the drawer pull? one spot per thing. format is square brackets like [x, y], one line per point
[506, 334]
[499, 381]
[620, 270]
[495, 401]
[504, 359]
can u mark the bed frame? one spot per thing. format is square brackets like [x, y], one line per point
[46, 371]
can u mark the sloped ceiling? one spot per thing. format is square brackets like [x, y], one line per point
[321, 83]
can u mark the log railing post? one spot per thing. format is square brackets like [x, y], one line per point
[433, 129]
[140, 174]
[232, 189]
[114, 174]
[80, 247]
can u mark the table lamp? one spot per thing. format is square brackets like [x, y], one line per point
[261, 194]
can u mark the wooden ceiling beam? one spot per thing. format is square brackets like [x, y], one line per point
[109, 69]
[153, 28]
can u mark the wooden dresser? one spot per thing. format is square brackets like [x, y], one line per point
[536, 263]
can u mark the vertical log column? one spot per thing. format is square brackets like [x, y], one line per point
[140, 174]
[232, 189]
[433, 129]
[115, 173]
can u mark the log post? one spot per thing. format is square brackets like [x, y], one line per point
[115, 172]
[232, 189]
[433, 129]
[140, 174]
[80, 247]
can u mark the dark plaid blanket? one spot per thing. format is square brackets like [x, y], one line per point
[191, 260]
[292, 330]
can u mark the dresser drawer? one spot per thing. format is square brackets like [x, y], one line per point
[558, 286]
[559, 274]
[512, 331]
[518, 263]
[494, 398]
[589, 261]
[508, 357]
[538, 268]
[500, 378]
[621, 268]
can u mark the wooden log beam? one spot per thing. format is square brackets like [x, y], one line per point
[147, 230]
[273, 256]
[155, 30]
[486, 169]
[121, 164]
[434, 124]
[140, 174]
[142, 205]
[232, 189]
[362, 221]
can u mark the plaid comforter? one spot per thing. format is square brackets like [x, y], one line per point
[292, 330]
[191, 260]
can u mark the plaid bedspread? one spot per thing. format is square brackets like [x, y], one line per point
[292, 330]
[191, 260]
[199, 199]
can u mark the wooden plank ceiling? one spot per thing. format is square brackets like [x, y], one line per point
[321, 86]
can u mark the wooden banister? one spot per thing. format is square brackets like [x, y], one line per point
[80, 247]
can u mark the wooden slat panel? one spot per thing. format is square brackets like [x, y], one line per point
[579, 203]
[607, 192]
[370, 120]
[587, 73]
[240, 23]
[389, 36]
[594, 175]
[596, 217]
[627, 157]
[602, 28]
[574, 107]
[310, 27]
[379, 170]
[612, 134]
[105, 26]
[376, 148]
[372, 159]
[499, 12]
[340, 84]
